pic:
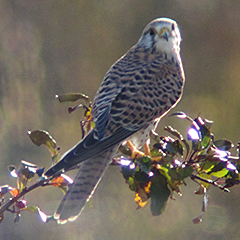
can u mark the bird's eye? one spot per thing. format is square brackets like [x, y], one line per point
[173, 27]
[152, 31]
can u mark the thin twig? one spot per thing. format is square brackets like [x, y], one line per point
[6, 206]
[214, 183]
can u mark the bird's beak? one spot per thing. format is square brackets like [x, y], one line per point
[164, 33]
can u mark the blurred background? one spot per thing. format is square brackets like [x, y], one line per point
[59, 46]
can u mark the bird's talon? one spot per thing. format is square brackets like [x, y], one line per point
[135, 153]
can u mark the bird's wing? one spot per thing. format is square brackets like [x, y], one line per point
[125, 103]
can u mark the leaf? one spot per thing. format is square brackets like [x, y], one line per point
[42, 137]
[128, 168]
[156, 152]
[141, 177]
[32, 209]
[40, 171]
[198, 219]
[172, 146]
[232, 180]
[201, 124]
[142, 194]
[21, 204]
[131, 183]
[177, 134]
[223, 144]
[160, 193]
[36, 209]
[219, 174]
[28, 171]
[72, 97]
[25, 174]
[199, 134]
[14, 192]
[174, 132]
[140, 202]
[13, 171]
[218, 170]
[17, 217]
[206, 141]
[5, 189]
[145, 164]
[63, 182]
[180, 173]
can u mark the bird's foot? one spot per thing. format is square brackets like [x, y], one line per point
[135, 153]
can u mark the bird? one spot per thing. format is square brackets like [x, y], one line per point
[137, 91]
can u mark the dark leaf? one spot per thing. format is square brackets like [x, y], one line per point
[160, 193]
[17, 217]
[40, 171]
[128, 171]
[141, 177]
[177, 134]
[180, 173]
[5, 189]
[223, 144]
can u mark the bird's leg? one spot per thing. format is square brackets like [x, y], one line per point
[135, 153]
[147, 148]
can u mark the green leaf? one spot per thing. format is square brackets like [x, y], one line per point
[206, 141]
[131, 183]
[32, 209]
[219, 170]
[180, 173]
[220, 174]
[159, 193]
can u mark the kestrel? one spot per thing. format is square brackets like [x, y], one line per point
[137, 91]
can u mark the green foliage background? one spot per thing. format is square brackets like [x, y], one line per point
[58, 46]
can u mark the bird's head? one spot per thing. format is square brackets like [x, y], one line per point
[161, 35]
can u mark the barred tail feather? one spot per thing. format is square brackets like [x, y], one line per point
[85, 183]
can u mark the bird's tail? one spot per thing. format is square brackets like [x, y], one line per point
[84, 185]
